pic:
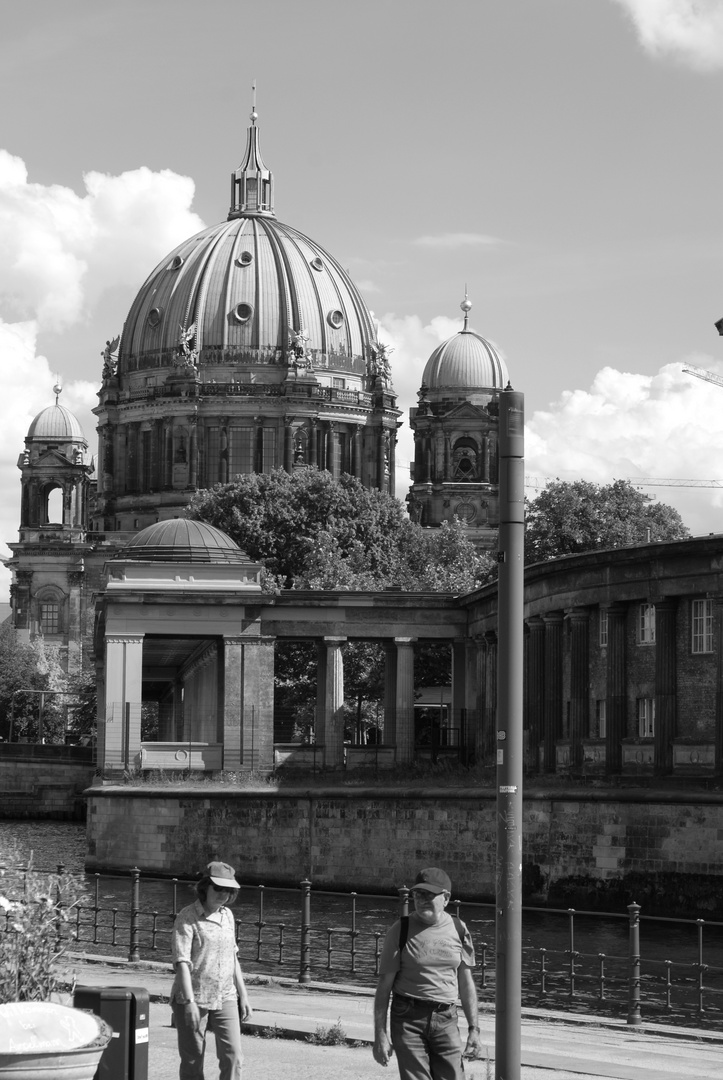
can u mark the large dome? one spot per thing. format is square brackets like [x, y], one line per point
[247, 287]
[56, 422]
[181, 540]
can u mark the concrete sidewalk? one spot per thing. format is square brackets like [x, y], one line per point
[555, 1046]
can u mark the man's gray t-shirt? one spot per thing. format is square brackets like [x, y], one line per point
[427, 966]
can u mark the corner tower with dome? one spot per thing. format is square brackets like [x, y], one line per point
[455, 425]
[248, 348]
[49, 592]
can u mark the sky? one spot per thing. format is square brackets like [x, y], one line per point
[559, 159]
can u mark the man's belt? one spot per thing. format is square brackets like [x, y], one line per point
[425, 1003]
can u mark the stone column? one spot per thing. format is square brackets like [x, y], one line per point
[472, 677]
[333, 713]
[718, 638]
[490, 696]
[536, 688]
[288, 446]
[404, 703]
[579, 683]
[616, 700]
[665, 684]
[192, 450]
[313, 442]
[356, 451]
[257, 715]
[553, 688]
[390, 694]
[123, 697]
[459, 688]
[233, 701]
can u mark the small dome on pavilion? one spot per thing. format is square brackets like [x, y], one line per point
[181, 540]
[466, 361]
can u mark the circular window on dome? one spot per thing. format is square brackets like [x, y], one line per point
[245, 259]
[243, 312]
[317, 264]
[335, 318]
[176, 262]
[154, 316]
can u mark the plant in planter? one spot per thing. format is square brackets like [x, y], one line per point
[35, 914]
[39, 1037]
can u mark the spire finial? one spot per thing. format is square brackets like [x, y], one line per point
[254, 115]
[465, 305]
[57, 390]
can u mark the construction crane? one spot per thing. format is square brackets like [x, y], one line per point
[706, 376]
[538, 483]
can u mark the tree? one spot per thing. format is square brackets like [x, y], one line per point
[568, 518]
[18, 671]
[276, 517]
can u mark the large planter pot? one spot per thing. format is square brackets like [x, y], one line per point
[41, 1040]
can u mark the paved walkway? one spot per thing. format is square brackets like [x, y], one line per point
[555, 1046]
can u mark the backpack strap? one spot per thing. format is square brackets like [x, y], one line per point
[404, 930]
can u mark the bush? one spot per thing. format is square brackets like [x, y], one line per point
[35, 914]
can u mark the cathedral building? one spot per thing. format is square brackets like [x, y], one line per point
[248, 348]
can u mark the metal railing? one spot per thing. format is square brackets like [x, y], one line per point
[684, 986]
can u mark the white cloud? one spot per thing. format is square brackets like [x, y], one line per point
[663, 426]
[689, 30]
[61, 251]
[453, 241]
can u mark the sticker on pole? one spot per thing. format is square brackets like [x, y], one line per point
[500, 757]
[508, 789]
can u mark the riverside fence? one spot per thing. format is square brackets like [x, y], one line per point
[647, 968]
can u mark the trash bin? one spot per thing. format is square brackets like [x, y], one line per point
[126, 1009]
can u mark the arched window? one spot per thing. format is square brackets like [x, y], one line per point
[465, 458]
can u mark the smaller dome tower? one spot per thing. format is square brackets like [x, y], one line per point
[455, 425]
[48, 561]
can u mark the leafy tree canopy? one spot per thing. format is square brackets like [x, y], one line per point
[568, 518]
[316, 532]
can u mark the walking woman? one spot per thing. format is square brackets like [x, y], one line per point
[208, 992]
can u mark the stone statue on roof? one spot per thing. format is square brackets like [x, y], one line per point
[110, 360]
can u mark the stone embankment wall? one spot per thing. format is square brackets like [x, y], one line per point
[584, 849]
[39, 788]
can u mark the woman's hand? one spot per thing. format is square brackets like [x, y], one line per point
[244, 1008]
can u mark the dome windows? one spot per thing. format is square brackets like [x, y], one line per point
[317, 264]
[176, 262]
[244, 259]
[154, 316]
[335, 318]
[242, 313]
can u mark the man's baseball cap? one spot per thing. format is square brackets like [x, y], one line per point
[222, 875]
[434, 880]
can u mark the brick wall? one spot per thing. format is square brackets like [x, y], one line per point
[589, 849]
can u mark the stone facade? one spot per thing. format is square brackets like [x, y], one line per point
[581, 848]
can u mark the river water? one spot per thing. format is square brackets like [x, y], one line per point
[347, 931]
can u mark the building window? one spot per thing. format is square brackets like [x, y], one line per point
[337, 383]
[646, 717]
[603, 628]
[646, 624]
[50, 618]
[701, 623]
[601, 718]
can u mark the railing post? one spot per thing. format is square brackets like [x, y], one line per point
[403, 901]
[58, 902]
[133, 954]
[305, 958]
[634, 954]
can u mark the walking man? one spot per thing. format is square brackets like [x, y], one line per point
[426, 964]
